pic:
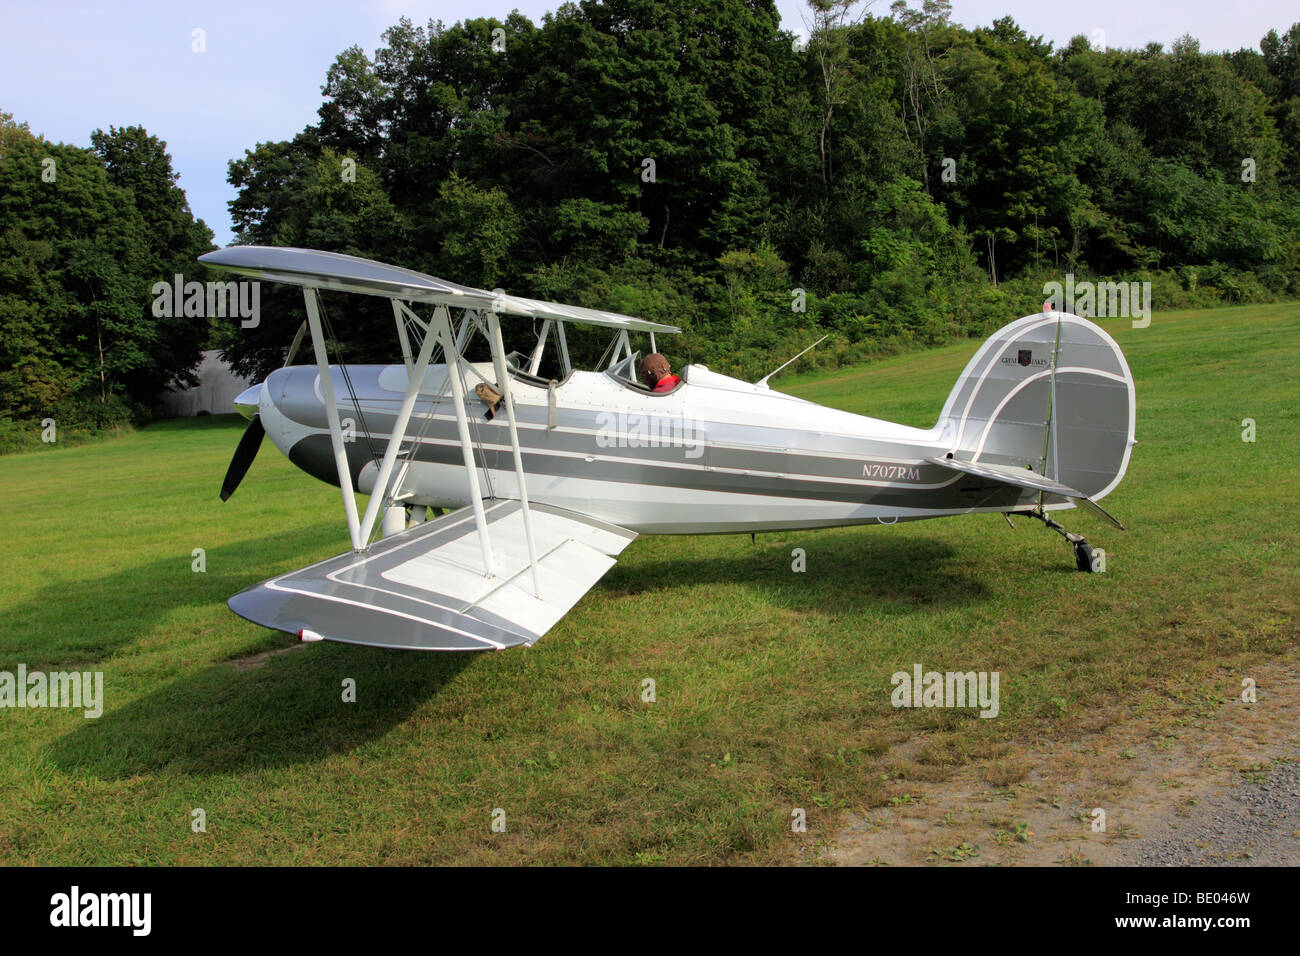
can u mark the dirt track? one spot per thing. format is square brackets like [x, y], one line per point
[1220, 788]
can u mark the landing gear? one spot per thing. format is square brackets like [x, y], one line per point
[394, 520]
[1085, 558]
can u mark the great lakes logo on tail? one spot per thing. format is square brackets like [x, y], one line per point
[1025, 358]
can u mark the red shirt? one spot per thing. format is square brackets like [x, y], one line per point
[667, 383]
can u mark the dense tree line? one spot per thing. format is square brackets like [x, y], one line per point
[895, 179]
[84, 234]
[693, 163]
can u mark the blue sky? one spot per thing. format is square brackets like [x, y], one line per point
[68, 67]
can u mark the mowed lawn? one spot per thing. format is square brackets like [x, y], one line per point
[772, 687]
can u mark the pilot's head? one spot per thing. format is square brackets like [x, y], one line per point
[652, 368]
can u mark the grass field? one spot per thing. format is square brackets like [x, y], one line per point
[773, 687]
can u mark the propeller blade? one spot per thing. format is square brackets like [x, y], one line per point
[251, 440]
[245, 452]
[297, 341]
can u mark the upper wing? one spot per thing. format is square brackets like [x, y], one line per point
[424, 588]
[333, 270]
[1024, 478]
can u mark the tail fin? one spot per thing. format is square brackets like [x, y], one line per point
[1050, 392]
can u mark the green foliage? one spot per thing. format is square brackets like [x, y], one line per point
[84, 234]
[171, 348]
[1196, 219]
[904, 178]
[689, 163]
[478, 229]
[77, 420]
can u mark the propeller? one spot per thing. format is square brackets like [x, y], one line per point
[245, 452]
[251, 440]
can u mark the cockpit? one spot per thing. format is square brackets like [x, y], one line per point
[624, 372]
[619, 361]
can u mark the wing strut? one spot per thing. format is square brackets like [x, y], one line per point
[535, 360]
[565, 365]
[312, 297]
[438, 330]
[440, 325]
[402, 337]
[379, 491]
[503, 376]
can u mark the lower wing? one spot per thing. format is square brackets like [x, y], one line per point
[425, 588]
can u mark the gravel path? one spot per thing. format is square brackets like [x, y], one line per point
[1251, 824]
[1179, 786]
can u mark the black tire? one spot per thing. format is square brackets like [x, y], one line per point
[1083, 557]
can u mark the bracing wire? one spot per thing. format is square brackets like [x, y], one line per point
[347, 379]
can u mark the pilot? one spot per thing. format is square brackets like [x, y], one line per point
[656, 374]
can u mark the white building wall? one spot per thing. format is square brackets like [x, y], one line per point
[216, 390]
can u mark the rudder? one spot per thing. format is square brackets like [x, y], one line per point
[1051, 392]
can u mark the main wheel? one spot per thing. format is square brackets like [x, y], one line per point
[1083, 556]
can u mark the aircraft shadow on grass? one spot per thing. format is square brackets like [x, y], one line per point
[85, 623]
[849, 570]
[223, 717]
[289, 711]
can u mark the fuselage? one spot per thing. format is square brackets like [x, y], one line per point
[715, 455]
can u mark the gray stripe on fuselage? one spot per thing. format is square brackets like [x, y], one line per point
[743, 448]
[314, 454]
[786, 469]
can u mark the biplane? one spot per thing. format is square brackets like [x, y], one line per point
[498, 496]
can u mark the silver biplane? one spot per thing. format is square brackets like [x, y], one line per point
[546, 480]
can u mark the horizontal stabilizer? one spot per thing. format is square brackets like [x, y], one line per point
[425, 588]
[1024, 478]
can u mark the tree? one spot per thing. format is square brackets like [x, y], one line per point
[139, 163]
[924, 85]
[303, 194]
[74, 278]
[1282, 58]
[478, 229]
[620, 142]
[832, 21]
